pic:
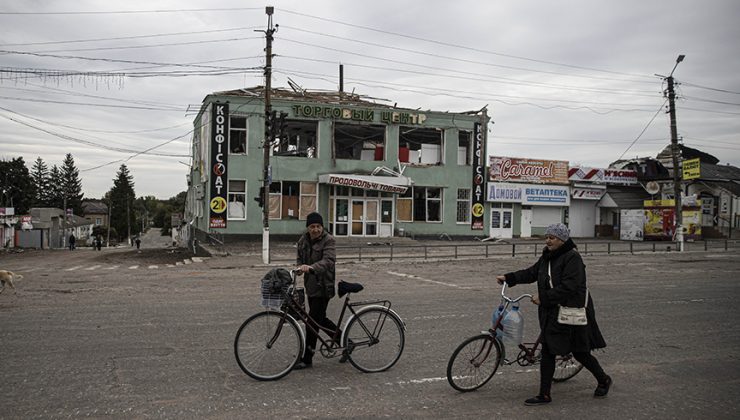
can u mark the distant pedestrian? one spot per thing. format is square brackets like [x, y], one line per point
[71, 242]
[98, 243]
[138, 242]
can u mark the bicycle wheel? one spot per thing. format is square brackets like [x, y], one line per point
[566, 367]
[474, 363]
[377, 339]
[266, 347]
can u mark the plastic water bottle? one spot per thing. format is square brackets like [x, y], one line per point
[513, 324]
[496, 315]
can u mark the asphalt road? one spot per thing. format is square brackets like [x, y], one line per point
[156, 341]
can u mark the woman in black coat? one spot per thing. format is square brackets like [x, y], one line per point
[564, 285]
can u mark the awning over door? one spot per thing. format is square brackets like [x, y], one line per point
[392, 184]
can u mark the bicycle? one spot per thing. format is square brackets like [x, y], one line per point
[270, 343]
[477, 359]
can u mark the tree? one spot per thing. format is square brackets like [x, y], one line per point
[121, 199]
[16, 188]
[71, 185]
[55, 196]
[40, 181]
[163, 215]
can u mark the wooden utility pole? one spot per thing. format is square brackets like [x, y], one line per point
[269, 130]
[675, 154]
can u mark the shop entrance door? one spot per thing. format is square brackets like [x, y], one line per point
[501, 223]
[364, 217]
[526, 224]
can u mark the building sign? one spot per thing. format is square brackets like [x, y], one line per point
[477, 209]
[581, 193]
[366, 182]
[505, 193]
[358, 114]
[606, 176]
[7, 211]
[529, 194]
[691, 169]
[502, 169]
[219, 159]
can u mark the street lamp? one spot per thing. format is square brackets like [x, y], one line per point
[675, 152]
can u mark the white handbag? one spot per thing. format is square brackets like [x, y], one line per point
[567, 315]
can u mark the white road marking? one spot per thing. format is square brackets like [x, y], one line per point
[133, 267]
[92, 268]
[73, 268]
[341, 388]
[112, 267]
[153, 266]
[197, 259]
[187, 262]
[411, 276]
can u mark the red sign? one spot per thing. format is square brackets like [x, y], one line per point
[540, 171]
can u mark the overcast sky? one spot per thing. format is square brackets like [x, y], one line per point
[567, 80]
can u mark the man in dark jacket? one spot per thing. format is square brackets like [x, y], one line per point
[316, 259]
[561, 280]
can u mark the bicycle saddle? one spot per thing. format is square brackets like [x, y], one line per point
[345, 287]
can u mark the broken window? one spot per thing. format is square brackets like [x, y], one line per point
[464, 151]
[420, 146]
[427, 204]
[238, 135]
[359, 142]
[297, 139]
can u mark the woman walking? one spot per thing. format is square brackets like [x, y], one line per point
[561, 280]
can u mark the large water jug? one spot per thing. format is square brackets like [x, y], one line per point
[513, 334]
[496, 315]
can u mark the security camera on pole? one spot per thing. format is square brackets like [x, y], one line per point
[675, 154]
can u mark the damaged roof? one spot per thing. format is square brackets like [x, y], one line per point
[299, 94]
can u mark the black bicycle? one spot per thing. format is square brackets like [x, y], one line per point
[270, 343]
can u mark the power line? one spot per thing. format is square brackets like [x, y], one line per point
[710, 88]
[171, 44]
[89, 104]
[447, 44]
[479, 77]
[26, 44]
[474, 96]
[643, 130]
[125, 12]
[87, 142]
[457, 59]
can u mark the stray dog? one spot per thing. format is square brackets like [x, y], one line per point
[7, 277]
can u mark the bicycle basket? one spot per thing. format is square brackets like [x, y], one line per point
[299, 295]
[274, 285]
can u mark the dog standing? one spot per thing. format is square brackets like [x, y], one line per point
[7, 277]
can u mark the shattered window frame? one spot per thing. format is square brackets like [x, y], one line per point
[300, 139]
[420, 142]
[359, 141]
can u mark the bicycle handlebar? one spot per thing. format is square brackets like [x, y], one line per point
[510, 300]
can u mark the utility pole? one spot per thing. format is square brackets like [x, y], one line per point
[128, 220]
[675, 153]
[110, 207]
[268, 138]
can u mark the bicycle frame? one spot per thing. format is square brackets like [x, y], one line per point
[334, 343]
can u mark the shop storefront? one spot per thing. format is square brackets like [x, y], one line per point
[371, 170]
[524, 196]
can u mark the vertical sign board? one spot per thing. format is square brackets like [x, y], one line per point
[219, 159]
[477, 210]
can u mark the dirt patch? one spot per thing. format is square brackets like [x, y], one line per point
[147, 256]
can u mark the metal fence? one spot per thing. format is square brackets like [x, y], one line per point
[391, 252]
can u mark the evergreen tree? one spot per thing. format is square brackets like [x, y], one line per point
[16, 188]
[71, 185]
[121, 199]
[40, 180]
[55, 196]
